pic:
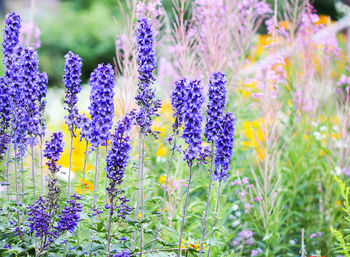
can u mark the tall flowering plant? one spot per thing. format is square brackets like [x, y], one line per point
[178, 100]
[148, 104]
[117, 159]
[71, 79]
[10, 40]
[42, 215]
[213, 127]
[101, 111]
[193, 118]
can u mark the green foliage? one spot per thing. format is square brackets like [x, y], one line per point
[342, 235]
[89, 33]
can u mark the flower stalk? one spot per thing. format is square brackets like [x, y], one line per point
[184, 212]
[208, 200]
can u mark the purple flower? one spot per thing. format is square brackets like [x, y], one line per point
[10, 41]
[256, 252]
[118, 154]
[42, 81]
[5, 105]
[216, 105]
[4, 140]
[11, 33]
[53, 150]
[147, 63]
[71, 79]
[39, 219]
[42, 214]
[21, 77]
[246, 234]
[117, 159]
[102, 106]
[83, 123]
[125, 253]
[178, 100]
[193, 118]
[123, 208]
[68, 220]
[315, 235]
[346, 171]
[224, 147]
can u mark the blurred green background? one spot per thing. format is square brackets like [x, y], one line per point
[87, 27]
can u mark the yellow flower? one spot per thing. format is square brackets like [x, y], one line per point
[335, 120]
[323, 152]
[161, 151]
[335, 136]
[159, 126]
[323, 19]
[248, 88]
[253, 131]
[87, 186]
[284, 24]
[166, 107]
[162, 179]
[264, 40]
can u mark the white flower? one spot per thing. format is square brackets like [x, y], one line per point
[317, 135]
[323, 128]
[63, 174]
[235, 207]
[337, 171]
[236, 223]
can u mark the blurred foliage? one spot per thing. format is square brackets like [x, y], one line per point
[89, 32]
[88, 28]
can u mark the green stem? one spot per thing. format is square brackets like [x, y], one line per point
[33, 169]
[85, 159]
[208, 201]
[184, 211]
[106, 178]
[109, 228]
[70, 164]
[17, 196]
[142, 195]
[164, 194]
[96, 176]
[22, 176]
[215, 217]
[41, 165]
[7, 172]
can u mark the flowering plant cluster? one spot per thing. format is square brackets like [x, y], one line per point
[153, 158]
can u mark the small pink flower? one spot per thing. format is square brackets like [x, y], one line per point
[245, 180]
[234, 183]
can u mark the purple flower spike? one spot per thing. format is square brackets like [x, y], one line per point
[69, 216]
[193, 121]
[125, 253]
[102, 106]
[39, 219]
[71, 79]
[117, 159]
[178, 101]
[118, 154]
[11, 33]
[21, 77]
[147, 63]
[53, 150]
[216, 105]
[224, 147]
[42, 81]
